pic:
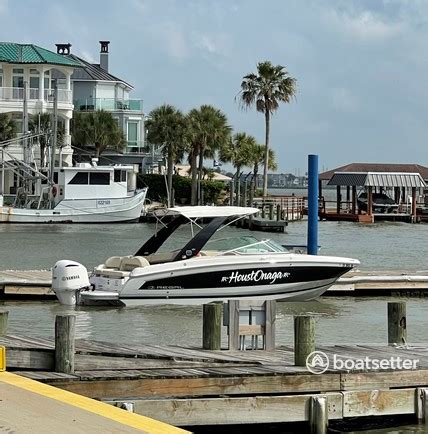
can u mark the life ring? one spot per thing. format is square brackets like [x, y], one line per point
[54, 191]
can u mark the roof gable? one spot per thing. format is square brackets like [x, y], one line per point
[31, 54]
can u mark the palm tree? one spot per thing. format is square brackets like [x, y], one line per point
[8, 128]
[98, 128]
[257, 157]
[208, 131]
[238, 152]
[167, 126]
[266, 90]
[42, 123]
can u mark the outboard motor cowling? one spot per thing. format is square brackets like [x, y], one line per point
[68, 278]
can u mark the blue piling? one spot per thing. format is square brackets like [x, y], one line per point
[312, 204]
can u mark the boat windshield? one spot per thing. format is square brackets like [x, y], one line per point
[245, 244]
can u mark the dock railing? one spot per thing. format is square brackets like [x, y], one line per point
[288, 208]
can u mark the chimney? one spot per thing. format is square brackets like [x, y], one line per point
[63, 49]
[104, 55]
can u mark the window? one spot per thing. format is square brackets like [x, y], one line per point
[133, 134]
[120, 176]
[99, 178]
[80, 178]
[1, 77]
[18, 71]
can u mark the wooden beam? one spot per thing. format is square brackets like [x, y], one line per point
[338, 199]
[180, 387]
[383, 380]
[354, 199]
[211, 326]
[304, 338]
[245, 410]
[414, 204]
[370, 201]
[378, 402]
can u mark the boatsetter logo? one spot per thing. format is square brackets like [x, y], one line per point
[318, 362]
[254, 276]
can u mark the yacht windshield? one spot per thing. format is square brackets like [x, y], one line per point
[245, 244]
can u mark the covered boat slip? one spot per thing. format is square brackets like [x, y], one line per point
[374, 195]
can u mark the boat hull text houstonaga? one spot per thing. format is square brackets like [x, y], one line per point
[254, 276]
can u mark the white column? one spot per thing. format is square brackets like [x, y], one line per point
[41, 83]
[67, 127]
[68, 86]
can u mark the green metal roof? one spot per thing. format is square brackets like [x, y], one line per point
[29, 53]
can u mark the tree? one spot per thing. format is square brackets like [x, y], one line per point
[8, 128]
[257, 157]
[208, 131]
[266, 90]
[167, 126]
[42, 123]
[238, 152]
[98, 128]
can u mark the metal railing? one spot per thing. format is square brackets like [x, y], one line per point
[109, 104]
[34, 94]
[137, 146]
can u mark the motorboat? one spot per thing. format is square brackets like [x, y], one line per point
[203, 270]
[382, 203]
[85, 193]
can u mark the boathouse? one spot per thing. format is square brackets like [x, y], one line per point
[375, 192]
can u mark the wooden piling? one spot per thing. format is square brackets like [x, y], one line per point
[278, 212]
[65, 326]
[304, 338]
[271, 209]
[233, 322]
[211, 326]
[3, 322]
[318, 415]
[397, 323]
[422, 405]
[270, 309]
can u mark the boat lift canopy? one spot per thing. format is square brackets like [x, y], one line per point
[377, 179]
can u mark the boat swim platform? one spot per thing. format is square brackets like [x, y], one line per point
[27, 406]
[193, 387]
[36, 284]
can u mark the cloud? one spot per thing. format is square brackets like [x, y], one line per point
[364, 25]
[171, 38]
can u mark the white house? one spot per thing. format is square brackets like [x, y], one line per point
[94, 88]
[36, 66]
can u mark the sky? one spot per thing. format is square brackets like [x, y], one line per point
[361, 65]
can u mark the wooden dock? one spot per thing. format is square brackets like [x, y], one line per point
[191, 387]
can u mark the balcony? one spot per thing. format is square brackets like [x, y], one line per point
[108, 104]
[17, 94]
[137, 146]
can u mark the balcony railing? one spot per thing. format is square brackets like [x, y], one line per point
[34, 94]
[137, 146]
[108, 104]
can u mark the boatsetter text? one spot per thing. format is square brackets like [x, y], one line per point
[254, 276]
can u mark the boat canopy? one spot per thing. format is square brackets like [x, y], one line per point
[194, 212]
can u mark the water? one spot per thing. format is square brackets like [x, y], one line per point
[344, 320]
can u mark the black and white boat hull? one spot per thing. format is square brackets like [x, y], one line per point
[202, 280]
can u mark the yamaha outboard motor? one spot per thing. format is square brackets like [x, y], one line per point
[68, 279]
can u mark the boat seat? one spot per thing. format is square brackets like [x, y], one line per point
[209, 253]
[128, 263]
[113, 262]
[108, 272]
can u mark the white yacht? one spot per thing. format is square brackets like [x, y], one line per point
[86, 193]
[199, 273]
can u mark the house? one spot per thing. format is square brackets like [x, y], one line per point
[95, 88]
[30, 67]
